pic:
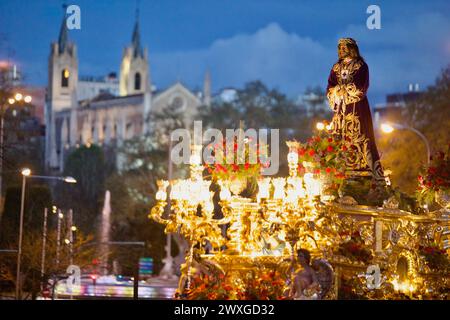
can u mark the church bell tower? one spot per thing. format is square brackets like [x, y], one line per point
[63, 71]
[61, 95]
[134, 74]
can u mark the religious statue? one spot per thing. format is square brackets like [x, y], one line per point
[311, 281]
[348, 83]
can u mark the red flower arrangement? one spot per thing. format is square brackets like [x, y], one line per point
[435, 257]
[434, 177]
[242, 166]
[355, 249]
[326, 154]
[266, 285]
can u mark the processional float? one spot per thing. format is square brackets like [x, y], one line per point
[246, 241]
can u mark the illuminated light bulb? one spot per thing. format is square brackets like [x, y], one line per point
[386, 128]
[264, 188]
[74, 228]
[292, 157]
[296, 184]
[61, 215]
[225, 194]
[161, 195]
[278, 184]
[70, 180]
[205, 195]
[277, 253]
[18, 96]
[174, 194]
[292, 195]
[27, 99]
[302, 193]
[54, 209]
[209, 206]
[395, 284]
[313, 185]
[320, 126]
[195, 159]
[11, 100]
[66, 241]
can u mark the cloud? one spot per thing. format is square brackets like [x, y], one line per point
[278, 58]
[408, 50]
[403, 51]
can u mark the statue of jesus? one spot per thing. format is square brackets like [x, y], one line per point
[352, 121]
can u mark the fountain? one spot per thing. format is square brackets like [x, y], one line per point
[105, 227]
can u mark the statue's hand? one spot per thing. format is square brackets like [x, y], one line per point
[337, 101]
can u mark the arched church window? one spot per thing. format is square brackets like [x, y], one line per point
[137, 81]
[65, 74]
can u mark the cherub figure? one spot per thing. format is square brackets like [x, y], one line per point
[305, 285]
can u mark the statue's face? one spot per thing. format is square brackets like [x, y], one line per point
[302, 259]
[343, 51]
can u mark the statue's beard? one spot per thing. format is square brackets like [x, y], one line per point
[342, 54]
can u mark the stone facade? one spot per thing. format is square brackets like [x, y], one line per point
[106, 119]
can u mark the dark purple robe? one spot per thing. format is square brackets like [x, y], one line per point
[347, 94]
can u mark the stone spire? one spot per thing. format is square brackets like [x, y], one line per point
[134, 72]
[63, 38]
[207, 89]
[136, 39]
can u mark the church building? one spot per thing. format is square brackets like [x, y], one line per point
[83, 111]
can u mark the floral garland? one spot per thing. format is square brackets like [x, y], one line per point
[434, 177]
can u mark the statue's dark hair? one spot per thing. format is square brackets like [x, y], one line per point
[305, 253]
[353, 47]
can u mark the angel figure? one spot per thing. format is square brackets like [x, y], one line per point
[311, 282]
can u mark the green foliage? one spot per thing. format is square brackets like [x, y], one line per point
[88, 166]
[37, 197]
[404, 152]
[82, 256]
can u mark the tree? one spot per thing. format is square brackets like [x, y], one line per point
[133, 189]
[23, 135]
[403, 152]
[88, 166]
[37, 198]
[82, 256]
[260, 108]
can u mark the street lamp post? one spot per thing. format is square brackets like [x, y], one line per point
[44, 240]
[58, 235]
[389, 127]
[26, 173]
